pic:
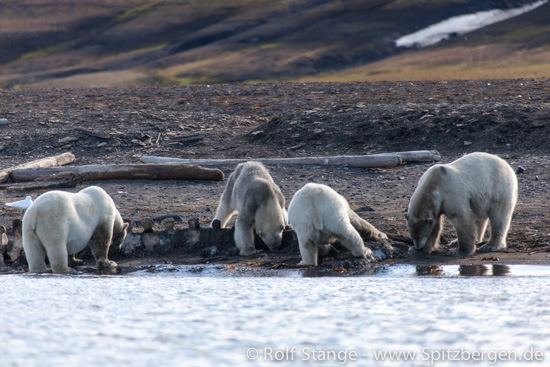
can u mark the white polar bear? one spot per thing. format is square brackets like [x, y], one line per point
[319, 215]
[59, 224]
[469, 191]
[251, 192]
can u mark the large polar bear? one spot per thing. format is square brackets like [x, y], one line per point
[251, 192]
[319, 215]
[59, 224]
[470, 191]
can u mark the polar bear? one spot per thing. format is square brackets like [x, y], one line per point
[59, 224]
[251, 192]
[470, 191]
[319, 215]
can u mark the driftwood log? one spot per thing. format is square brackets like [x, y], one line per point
[58, 160]
[364, 161]
[60, 181]
[124, 172]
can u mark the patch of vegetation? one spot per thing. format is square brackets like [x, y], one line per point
[134, 12]
[41, 52]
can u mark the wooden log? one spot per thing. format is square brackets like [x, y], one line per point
[364, 161]
[58, 160]
[47, 183]
[169, 171]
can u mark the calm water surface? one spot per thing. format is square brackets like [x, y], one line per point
[179, 319]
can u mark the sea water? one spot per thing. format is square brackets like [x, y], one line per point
[400, 316]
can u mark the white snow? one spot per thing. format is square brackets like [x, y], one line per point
[461, 24]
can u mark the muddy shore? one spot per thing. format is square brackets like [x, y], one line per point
[505, 117]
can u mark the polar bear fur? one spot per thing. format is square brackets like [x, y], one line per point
[59, 224]
[470, 191]
[319, 215]
[260, 205]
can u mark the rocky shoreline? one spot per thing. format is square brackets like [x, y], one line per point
[504, 117]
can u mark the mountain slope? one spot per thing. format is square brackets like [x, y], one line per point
[63, 43]
[515, 48]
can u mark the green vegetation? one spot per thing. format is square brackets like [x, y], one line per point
[114, 43]
[42, 52]
[134, 12]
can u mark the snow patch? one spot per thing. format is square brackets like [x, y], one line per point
[461, 24]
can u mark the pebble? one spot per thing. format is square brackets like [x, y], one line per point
[520, 169]
[3, 121]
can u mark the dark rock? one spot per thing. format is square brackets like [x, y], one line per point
[520, 170]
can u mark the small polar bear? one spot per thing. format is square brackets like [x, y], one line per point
[251, 192]
[319, 215]
[59, 224]
[470, 191]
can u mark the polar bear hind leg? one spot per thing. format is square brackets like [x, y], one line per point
[500, 223]
[35, 253]
[58, 257]
[308, 249]
[466, 232]
[55, 244]
[481, 225]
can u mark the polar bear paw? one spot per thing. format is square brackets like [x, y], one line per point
[490, 247]
[459, 252]
[366, 254]
[104, 263]
[380, 236]
[248, 251]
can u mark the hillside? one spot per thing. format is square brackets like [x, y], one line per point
[64, 43]
[516, 48]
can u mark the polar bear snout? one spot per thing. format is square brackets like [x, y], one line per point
[272, 240]
[420, 244]
[420, 227]
[118, 237]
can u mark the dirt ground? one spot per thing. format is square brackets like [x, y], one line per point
[510, 118]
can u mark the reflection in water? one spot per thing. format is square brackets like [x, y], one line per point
[336, 271]
[473, 270]
[500, 270]
[465, 270]
[428, 270]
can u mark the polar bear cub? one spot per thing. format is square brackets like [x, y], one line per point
[319, 215]
[59, 224]
[470, 191]
[251, 192]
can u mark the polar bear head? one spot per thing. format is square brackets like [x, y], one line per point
[421, 226]
[119, 236]
[423, 218]
[270, 223]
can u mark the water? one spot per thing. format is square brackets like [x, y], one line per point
[176, 318]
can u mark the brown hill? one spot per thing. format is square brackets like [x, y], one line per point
[516, 48]
[63, 43]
